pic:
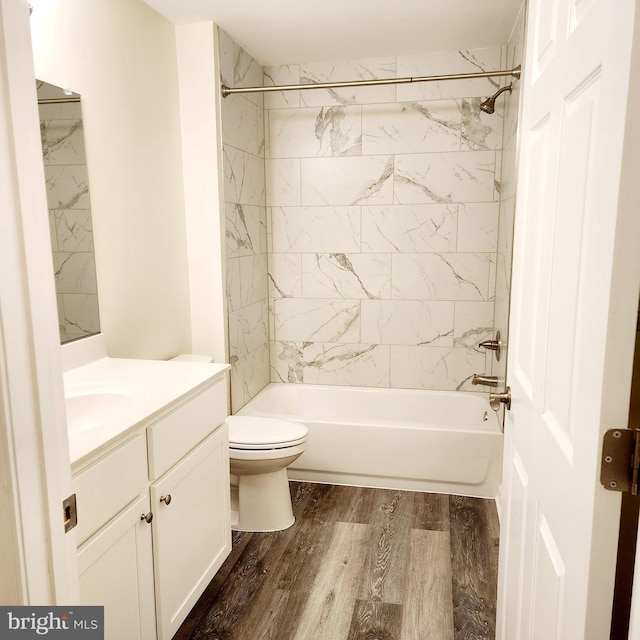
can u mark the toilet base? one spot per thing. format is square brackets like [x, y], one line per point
[261, 502]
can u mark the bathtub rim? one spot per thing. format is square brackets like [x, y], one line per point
[467, 427]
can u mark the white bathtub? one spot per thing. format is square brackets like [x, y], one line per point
[446, 442]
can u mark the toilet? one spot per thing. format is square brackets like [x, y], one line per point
[260, 450]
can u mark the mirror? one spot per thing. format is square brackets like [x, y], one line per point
[65, 167]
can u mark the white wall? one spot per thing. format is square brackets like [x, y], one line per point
[202, 159]
[121, 57]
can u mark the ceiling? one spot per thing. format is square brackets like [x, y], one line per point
[289, 31]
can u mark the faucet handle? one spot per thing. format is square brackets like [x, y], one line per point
[493, 345]
[496, 399]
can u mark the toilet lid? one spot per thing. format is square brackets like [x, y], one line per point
[252, 432]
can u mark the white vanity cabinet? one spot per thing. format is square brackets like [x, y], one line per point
[116, 571]
[189, 543]
[190, 502]
[154, 518]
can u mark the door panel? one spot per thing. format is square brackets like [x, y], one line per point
[548, 581]
[512, 546]
[560, 527]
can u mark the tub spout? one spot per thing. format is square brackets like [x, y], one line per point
[487, 381]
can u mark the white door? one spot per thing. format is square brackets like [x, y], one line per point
[572, 320]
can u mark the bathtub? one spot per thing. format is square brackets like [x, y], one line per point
[438, 441]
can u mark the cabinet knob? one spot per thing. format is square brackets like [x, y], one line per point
[166, 499]
[147, 517]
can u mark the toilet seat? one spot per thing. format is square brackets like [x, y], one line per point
[248, 433]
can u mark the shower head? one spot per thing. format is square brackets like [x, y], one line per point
[489, 105]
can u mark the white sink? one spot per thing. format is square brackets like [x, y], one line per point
[92, 405]
[107, 397]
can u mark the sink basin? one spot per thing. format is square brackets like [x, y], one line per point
[93, 405]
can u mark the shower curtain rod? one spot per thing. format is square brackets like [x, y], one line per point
[226, 91]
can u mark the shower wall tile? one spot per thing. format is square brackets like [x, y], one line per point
[238, 68]
[493, 270]
[283, 182]
[226, 49]
[440, 368]
[473, 323]
[508, 173]
[243, 124]
[440, 276]
[514, 57]
[245, 230]
[315, 132]
[407, 322]
[480, 131]
[244, 181]
[246, 241]
[52, 231]
[248, 329]
[285, 275]
[253, 279]
[506, 220]
[383, 222]
[478, 226]
[342, 275]
[329, 363]
[503, 279]
[311, 320]
[497, 180]
[445, 177]
[411, 127]
[409, 228]
[315, 229]
[345, 70]
[287, 361]
[346, 364]
[249, 376]
[448, 62]
[233, 284]
[283, 74]
[347, 181]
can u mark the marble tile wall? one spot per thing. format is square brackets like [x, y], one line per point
[382, 216]
[514, 56]
[70, 219]
[245, 223]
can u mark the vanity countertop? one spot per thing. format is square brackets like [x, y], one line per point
[109, 397]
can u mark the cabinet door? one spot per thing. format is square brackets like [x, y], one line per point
[116, 570]
[192, 533]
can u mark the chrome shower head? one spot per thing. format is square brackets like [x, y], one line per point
[489, 105]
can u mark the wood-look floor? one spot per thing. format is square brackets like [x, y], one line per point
[359, 564]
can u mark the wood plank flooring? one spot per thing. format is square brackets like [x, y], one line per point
[359, 564]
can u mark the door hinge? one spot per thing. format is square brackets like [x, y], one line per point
[69, 512]
[621, 460]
